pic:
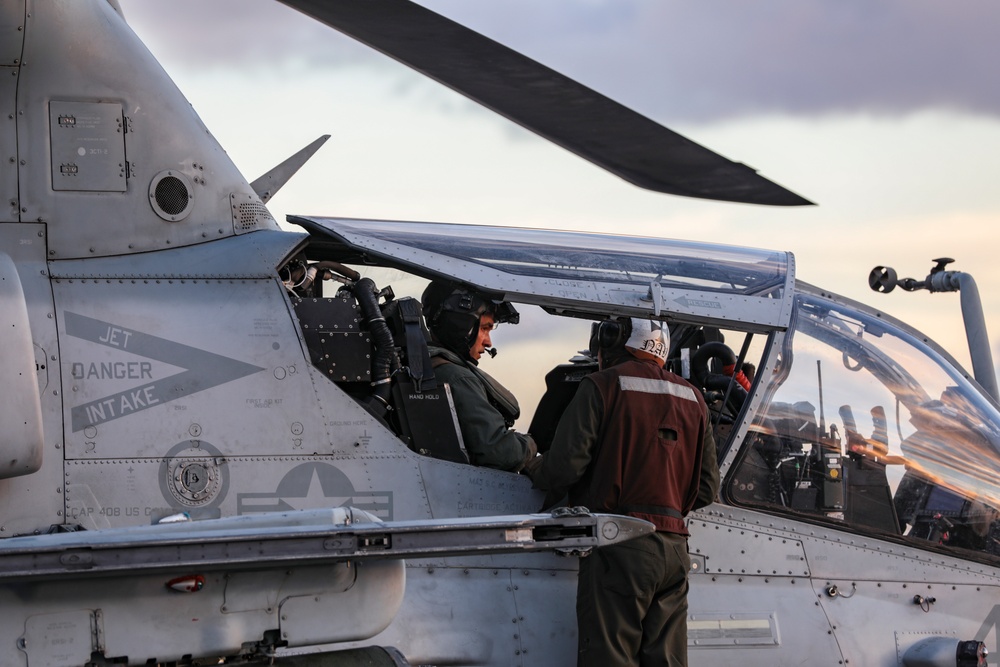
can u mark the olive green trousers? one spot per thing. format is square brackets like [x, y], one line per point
[631, 603]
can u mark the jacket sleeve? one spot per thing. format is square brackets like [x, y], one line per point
[574, 443]
[487, 439]
[708, 487]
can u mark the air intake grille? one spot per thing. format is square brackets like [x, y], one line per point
[172, 195]
[250, 214]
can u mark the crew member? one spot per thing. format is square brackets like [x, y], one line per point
[460, 322]
[634, 440]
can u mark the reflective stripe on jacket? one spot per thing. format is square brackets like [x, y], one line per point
[649, 449]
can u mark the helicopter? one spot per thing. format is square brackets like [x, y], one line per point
[228, 449]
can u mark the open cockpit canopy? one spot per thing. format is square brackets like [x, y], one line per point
[573, 272]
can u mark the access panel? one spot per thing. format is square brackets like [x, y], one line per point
[88, 146]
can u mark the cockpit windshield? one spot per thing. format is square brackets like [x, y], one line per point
[863, 423]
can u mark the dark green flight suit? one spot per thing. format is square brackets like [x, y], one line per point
[488, 438]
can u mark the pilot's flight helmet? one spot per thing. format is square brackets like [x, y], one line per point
[644, 339]
[452, 314]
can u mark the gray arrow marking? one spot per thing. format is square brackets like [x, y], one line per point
[204, 370]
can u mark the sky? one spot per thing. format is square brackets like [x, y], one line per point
[887, 114]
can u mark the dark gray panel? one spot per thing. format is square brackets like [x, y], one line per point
[11, 32]
[9, 206]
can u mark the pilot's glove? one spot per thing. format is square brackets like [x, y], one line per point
[532, 466]
[530, 456]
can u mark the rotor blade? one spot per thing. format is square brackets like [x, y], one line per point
[544, 101]
[267, 185]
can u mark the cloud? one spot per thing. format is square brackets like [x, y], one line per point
[674, 60]
[719, 59]
[239, 34]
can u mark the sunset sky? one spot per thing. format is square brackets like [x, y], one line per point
[886, 114]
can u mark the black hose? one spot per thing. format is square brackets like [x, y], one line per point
[707, 351]
[337, 267]
[367, 295]
[736, 395]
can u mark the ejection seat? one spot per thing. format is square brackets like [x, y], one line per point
[344, 344]
[424, 410]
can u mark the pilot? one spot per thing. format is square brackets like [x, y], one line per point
[634, 440]
[460, 322]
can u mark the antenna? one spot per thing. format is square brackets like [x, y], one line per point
[822, 416]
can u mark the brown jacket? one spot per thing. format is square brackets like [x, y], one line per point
[635, 440]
